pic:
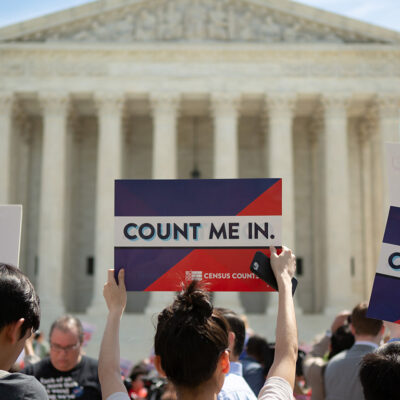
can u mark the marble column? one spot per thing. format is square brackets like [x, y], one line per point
[165, 107]
[316, 130]
[337, 206]
[165, 113]
[279, 153]
[369, 261]
[389, 123]
[225, 109]
[6, 118]
[109, 167]
[52, 222]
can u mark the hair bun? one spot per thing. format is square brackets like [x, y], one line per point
[195, 301]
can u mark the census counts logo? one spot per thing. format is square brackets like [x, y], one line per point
[194, 275]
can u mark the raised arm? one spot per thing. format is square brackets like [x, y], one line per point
[109, 362]
[284, 365]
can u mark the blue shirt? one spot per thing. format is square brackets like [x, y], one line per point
[235, 387]
[253, 373]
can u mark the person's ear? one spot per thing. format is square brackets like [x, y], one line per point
[224, 362]
[157, 364]
[231, 341]
[13, 331]
[352, 330]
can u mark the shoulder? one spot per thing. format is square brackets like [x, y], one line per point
[90, 361]
[118, 396]
[38, 368]
[276, 388]
[235, 387]
[25, 385]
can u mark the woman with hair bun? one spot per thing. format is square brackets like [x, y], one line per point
[191, 341]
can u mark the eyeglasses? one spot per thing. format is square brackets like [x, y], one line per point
[58, 348]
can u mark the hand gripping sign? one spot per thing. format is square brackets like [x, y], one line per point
[385, 297]
[171, 231]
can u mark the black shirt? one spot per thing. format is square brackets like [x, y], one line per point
[81, 382]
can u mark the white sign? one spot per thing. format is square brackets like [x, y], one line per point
[201, 231]
[10, 233]
[393, 164]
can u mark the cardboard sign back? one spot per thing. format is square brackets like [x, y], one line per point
[10, 233]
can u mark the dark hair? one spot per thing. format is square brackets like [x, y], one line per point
[342, 339]
[65, 323]
[18, 299]
[258, 348]
[380, 373]
[236, 325]
[137, 370]
[362, 324]
[190, 337]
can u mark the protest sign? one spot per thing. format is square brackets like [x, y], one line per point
[173, 231]
[10, 233]
[385, 297]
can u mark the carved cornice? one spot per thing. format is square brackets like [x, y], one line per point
[165, 102]
[225, 103]
[208, 20]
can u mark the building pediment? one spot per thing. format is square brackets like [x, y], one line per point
[257, 21]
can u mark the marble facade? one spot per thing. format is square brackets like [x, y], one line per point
[232, 88]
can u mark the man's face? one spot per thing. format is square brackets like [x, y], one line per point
[65, 349]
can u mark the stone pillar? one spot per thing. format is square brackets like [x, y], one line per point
[109, 167]
[6, 118]
[225, 108]
[369, 262]
[389, 124]
[279, 153]
[165, 107]
[52, 204]
[317, 203]
[165, 114]
[337, 212]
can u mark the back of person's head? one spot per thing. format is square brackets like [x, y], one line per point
[236, 325]
[66, 323]
[18, 299]
[342, 339]
[258, 348]
[191, 337]
[380, 373]
[362, 324]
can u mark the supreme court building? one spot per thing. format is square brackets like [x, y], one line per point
[166, 89]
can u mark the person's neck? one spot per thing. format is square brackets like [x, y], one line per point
[199, 393]
[368, 338]
[6, 358]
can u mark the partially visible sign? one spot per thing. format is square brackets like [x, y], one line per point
[385, 297]
[171, 231]
[10, 233]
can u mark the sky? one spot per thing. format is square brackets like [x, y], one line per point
[385, 13]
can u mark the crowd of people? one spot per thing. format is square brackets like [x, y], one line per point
[200, 352]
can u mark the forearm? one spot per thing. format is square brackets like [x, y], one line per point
[109, 358]
[284, 364]
[286, 327]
